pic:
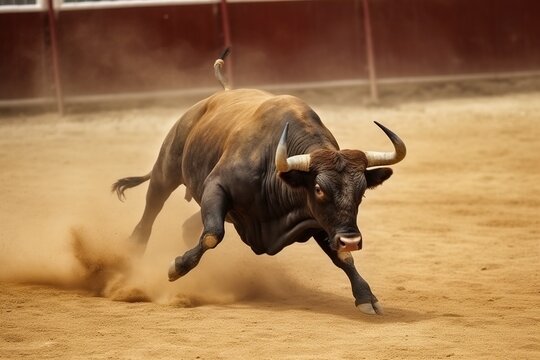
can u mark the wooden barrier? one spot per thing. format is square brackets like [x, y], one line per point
[113, 48]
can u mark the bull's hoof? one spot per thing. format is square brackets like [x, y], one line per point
[371, 309]
[173, 275]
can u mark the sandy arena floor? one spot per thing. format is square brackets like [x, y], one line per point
[451, 244]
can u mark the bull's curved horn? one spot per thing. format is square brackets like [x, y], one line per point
[376, 158]
[286, 164]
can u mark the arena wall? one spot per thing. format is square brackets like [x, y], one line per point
[129, 47]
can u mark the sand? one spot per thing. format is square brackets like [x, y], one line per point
[451, 243]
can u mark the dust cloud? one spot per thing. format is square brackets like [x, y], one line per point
[100, 261]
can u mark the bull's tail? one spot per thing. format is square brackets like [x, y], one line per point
[218, 69]
[122, 184]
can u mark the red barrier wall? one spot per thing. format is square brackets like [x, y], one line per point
[24, 57]
[138, 49]
[447, 37]
[156, 48]
[288, 42]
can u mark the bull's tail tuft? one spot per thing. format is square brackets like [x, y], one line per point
[218, 69]
[122, 184]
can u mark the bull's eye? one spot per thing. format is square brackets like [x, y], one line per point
[318, 191]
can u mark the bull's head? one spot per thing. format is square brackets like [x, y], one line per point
[335, 182]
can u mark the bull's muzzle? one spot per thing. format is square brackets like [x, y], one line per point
[348, 242]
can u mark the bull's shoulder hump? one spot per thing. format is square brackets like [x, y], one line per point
[287, 106]
[288, 101]
[238, 95]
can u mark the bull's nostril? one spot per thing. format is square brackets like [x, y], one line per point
[348, 242]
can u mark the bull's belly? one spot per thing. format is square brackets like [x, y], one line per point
[271, 237]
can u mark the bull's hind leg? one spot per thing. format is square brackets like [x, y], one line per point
[365, 301]
[158, 192]
[165, 177]
[214, 207]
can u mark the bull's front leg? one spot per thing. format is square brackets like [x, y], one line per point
[214, 207]
[365, 301]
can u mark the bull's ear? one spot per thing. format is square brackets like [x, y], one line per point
[294, 178]
[376, 177]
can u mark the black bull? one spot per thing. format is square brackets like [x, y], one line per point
[268, 165]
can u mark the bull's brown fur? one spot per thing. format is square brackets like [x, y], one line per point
[325, 160]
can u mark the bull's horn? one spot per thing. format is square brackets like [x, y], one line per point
[286, 164]
[376, 158]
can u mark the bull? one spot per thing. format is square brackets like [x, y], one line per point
[267, 164]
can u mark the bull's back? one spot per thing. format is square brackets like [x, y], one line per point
[236, 128]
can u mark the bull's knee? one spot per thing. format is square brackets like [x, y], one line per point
[210, 241]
